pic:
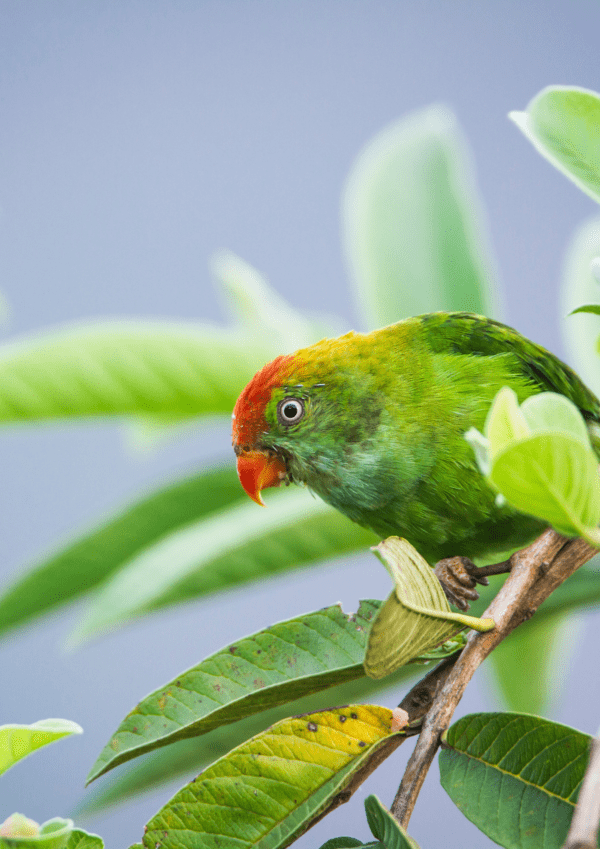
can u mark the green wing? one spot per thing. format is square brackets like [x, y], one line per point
[465, 333]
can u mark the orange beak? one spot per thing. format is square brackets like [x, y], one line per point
[258, 471]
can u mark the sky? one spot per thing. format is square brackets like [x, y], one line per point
[137, 138]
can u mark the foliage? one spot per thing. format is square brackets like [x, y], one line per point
[414, 243]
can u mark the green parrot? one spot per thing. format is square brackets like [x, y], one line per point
[374, 424]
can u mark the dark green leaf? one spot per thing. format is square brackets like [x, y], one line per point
[515, 776]
[385, 828]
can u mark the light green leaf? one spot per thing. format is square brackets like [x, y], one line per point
[593, 309]
[580, 286]
[187, 757]
[552, 476]
[92, 557]
[416, 617]
[515, 776]
[269, 790]
[505, 422]
[18, 741]
[81, 839]
[385, 828]
[550, 411]
[563, 124]
[164, 369]
[284, 662]
[19, 832]
[412, 223]
[237, 545]
[259, 309]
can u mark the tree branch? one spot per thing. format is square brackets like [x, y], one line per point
[535, 572]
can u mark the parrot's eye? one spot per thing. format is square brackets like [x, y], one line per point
[290, 411]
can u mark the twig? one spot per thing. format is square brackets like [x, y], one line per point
[583, 832]
[536, 571]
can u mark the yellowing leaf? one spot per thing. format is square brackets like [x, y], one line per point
[18, 741]
[269, 790]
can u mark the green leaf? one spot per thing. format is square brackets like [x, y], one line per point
[563, 124]
[19, 832]
[284, 662]
[385, 828]
[416, 617]
[81, 839]
[350, 843]
[186, 757]
[259, 309]
[525, 664]
[238, 545]
[95, 555]
[413, 229]
[580, 286]
[594, 309]
[18, 741]
[515, 776]
[269, 790]
[167, 369]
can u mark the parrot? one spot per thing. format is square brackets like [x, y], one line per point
[374, 424]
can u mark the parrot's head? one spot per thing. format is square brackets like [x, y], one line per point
[302, 416]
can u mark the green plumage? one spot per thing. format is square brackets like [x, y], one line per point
[385, 413]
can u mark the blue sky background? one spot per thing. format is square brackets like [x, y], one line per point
[136, 139]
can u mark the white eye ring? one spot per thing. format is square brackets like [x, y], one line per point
[290, 411]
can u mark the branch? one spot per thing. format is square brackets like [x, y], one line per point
[535, 572]
[583, 832]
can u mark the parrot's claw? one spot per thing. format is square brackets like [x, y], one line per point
[458, 577]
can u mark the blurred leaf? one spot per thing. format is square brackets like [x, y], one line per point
[18, 741]
[87, 561]
[416, 617]
[563, 124]
[19, 832]
[81, 839]
[515, 776]
[385, 828]
[284, 662]
[580, 286]
[166, 369]
[527, 666]
[187, 757]
[238, 545]
[412, 223]
[270, 789]
[259, 309]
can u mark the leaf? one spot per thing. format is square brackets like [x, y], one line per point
[515, 776]
[269, 790]
[167, 369]
[412, 223]
[580, 286]
[552, 476]
[96, 554]
[594, 309]
[385, 828]
[525, 664]
[186, 757]
[350, 843]
[284, 662]
[17, 832]
[416, 617]
[563, 124]
[81, 839]
[18, 741]
[238, 545]
[259, 309]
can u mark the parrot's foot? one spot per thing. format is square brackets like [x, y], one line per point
[458, 577]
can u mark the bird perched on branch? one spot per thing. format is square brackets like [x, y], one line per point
[374, 424]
